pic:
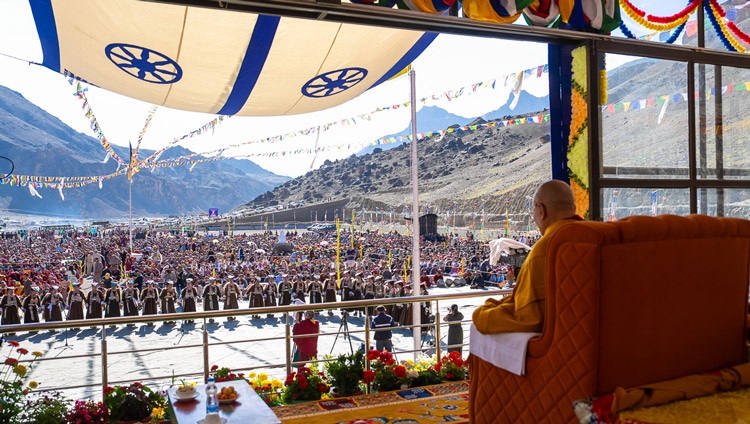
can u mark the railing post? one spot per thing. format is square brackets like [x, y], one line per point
[288, 344]
[367, 351]
[205, 350]
[105, 362]
[437, 329]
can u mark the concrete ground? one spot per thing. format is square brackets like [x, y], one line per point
[74, 358]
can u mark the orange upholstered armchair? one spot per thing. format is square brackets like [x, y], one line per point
[631, 302]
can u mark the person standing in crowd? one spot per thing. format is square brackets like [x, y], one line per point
[382, 324]
[97, 269]
[211, 295]
[10, 305]
[189, 295]
[299, 287]
[285, 292]
[94, 302]
[369, 290]
[255, 293]
[149, 295]
[130, 300]
[53, 305]
[315, 291]
[329, 286]
[306, 347]
[114, 300]
[270, 292]
[31, 305]
[167, 298]
[357, 291]
[455, 330]
[76, 299]
[231, 291]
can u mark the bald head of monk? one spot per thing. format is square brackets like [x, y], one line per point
[553, 202]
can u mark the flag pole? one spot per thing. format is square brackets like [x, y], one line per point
[416, 313]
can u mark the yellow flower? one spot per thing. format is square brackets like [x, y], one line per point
[20, 370]
[326, 396]
[276, 383]
[251, 375]
[253, 384]
[273, 397]
[33, 384]
[262, 376]
[37, 354]
[157, 414]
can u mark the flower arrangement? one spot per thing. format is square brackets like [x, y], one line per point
[12, 374]
[86, 411]
[305, 384]
[134, 402]
[44, 408]
[270, 390]
[451, 367]
[225, 374]
[346, 372]
[390, 375]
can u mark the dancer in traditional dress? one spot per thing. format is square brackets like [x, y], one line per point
[113, 297]
[255, 293]
[94, 302]
[54, 303]
[31, 304]
[167, 297]
[231, 291]
[76, 299]
[189, 295]
[10, 305]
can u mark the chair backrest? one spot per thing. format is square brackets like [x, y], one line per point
[669, 296]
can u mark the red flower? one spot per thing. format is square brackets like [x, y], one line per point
[322, 388]
[438, 366]
[11, 361]
[138, 384]
[302, 381]
[373, 354]
[399, 371]
[13, 343]
[108, 390]
[454, 355]
[22, 351]
[214, 368]
[368, 376]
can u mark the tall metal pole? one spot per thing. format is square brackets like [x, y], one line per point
[416, 315]
[130, 201]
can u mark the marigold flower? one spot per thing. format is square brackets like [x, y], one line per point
[20, 370]
[263, 376]
[251, 375]
[37, 353]
[33, 384]
[11, 361]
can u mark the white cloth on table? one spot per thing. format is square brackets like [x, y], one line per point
[503, 350]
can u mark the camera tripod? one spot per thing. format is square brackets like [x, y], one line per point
[343, 326]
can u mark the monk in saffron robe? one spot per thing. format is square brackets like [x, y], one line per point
[523, 310]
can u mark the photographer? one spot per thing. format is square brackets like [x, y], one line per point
[455, 331]
[382, 324]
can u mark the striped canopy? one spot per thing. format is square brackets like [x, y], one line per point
[219, 61]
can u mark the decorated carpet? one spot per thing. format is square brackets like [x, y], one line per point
[442, 403]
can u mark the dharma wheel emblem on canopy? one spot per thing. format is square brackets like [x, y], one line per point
[333, 82]
[143, 63]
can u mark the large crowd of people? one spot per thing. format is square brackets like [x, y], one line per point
[53, 276]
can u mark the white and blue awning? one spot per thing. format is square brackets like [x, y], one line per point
[219, 61]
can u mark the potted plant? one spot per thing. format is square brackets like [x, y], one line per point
[12, 388]
[345, 373]
[133, 404]
[270, 390]
[389, 375]
[44, 408]
[451, 367]
[225, 374]
[304, 385]
[87, 411]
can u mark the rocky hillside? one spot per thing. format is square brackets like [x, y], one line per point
[40, 144]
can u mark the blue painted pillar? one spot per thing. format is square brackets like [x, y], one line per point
[560, 62]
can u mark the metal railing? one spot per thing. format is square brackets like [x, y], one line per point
[206, 317]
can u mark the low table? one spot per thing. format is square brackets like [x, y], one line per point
[248, 408]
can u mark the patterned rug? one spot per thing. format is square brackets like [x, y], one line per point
[442, 403]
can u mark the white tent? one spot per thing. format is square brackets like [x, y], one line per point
[505, 246]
